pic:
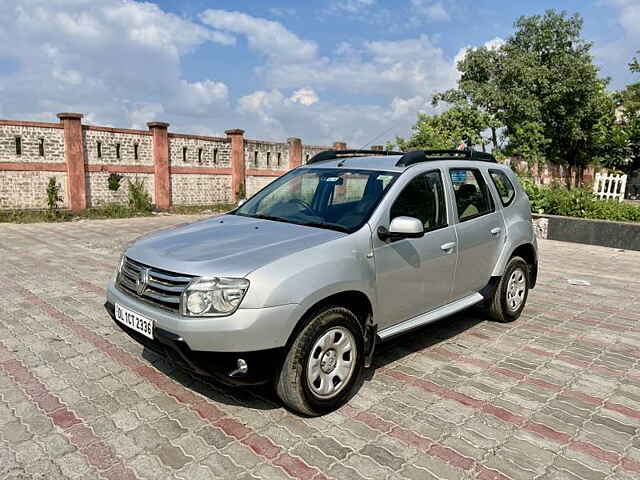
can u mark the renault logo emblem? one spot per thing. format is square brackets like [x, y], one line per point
[142, 281]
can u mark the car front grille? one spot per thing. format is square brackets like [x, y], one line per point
[163, 288]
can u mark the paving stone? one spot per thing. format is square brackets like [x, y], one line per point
[551, 368]
[171, 456]
[331, 447]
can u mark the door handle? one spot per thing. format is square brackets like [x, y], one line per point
[496, 231]
[448, 247]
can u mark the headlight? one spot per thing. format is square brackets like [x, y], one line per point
[211, 297]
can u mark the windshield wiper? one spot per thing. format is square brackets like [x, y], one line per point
[269, 217]
[331, 226]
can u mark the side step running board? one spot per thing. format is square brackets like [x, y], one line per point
[429, 317]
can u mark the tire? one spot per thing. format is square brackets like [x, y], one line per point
[509, 299]
[328, 329]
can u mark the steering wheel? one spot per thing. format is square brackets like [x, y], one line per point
[302, 203]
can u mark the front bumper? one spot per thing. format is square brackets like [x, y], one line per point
[263, 364]
[246, 330]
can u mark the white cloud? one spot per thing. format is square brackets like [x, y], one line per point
[386, 68]
[629, 16]
[305, 96]
[119, 62]
[282, 11]
[351, 6]
[495, 43]
[266, 36]
[614, 56]
[430, 10]
[109, 59]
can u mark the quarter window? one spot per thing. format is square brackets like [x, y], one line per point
[504, 186]
[472, 195]
[423, 198]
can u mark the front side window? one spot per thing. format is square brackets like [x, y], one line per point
[423, 198]
[338, 199]
[504, 186]
[472, 195]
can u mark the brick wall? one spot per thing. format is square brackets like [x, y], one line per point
[177, 169]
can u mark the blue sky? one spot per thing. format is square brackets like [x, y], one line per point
[322, 70]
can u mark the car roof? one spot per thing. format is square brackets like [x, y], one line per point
[373, 162]
[388, 163]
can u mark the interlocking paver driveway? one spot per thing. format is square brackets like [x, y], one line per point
[555, 395]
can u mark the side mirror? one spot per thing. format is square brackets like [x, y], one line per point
[241, 202]
[401, 227]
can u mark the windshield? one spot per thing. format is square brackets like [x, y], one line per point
[338, 199]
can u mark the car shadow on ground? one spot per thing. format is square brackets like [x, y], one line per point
[263, 397]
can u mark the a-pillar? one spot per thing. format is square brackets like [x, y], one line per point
[74, 158]
[238, 185]
[162, 174]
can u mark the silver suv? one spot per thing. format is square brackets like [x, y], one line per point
[298, 285]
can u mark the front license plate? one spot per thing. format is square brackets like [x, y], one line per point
[134, 321]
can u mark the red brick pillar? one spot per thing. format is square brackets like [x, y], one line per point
[238, 184]
[339, 145]
[295, 152]
[162, 174]
[74, 158]
[377, 148]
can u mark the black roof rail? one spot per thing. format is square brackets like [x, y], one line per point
[333, 154]
[418, 156]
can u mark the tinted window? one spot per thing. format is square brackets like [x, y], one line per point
[423, 198]
[503, 185]
[472, 195]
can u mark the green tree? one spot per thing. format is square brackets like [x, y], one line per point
[621, 136]
[542, 87]
[479, 87]
[462, 123]
[634, 66]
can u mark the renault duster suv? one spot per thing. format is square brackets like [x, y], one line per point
[298, 285]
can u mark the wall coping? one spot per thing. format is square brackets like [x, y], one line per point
[206, 138]
[98, 128]
[265, 142]
[70, 115]
[157, 125]
[319, 147]
[21, 123]
[597, 220]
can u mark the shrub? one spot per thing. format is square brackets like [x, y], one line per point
[139, 198]
[53, 196]
[241, 193]
[114, 182]
[577, 202]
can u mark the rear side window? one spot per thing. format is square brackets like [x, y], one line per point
[472, 195]
[504, 186]
[423, 198]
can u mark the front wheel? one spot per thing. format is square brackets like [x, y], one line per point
[324, 362]
[510, 296]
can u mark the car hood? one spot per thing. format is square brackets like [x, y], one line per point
[230, 245]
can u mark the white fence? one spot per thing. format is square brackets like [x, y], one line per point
[610, 186]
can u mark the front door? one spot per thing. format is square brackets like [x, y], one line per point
[415, 275]
[480, 229]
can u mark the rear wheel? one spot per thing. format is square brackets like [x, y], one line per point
[324, 362]
[510, 296]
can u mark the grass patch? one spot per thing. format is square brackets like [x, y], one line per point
[195, 209]
[108, 211]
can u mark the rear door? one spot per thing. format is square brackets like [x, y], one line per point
[480, 230]
[415, 275]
